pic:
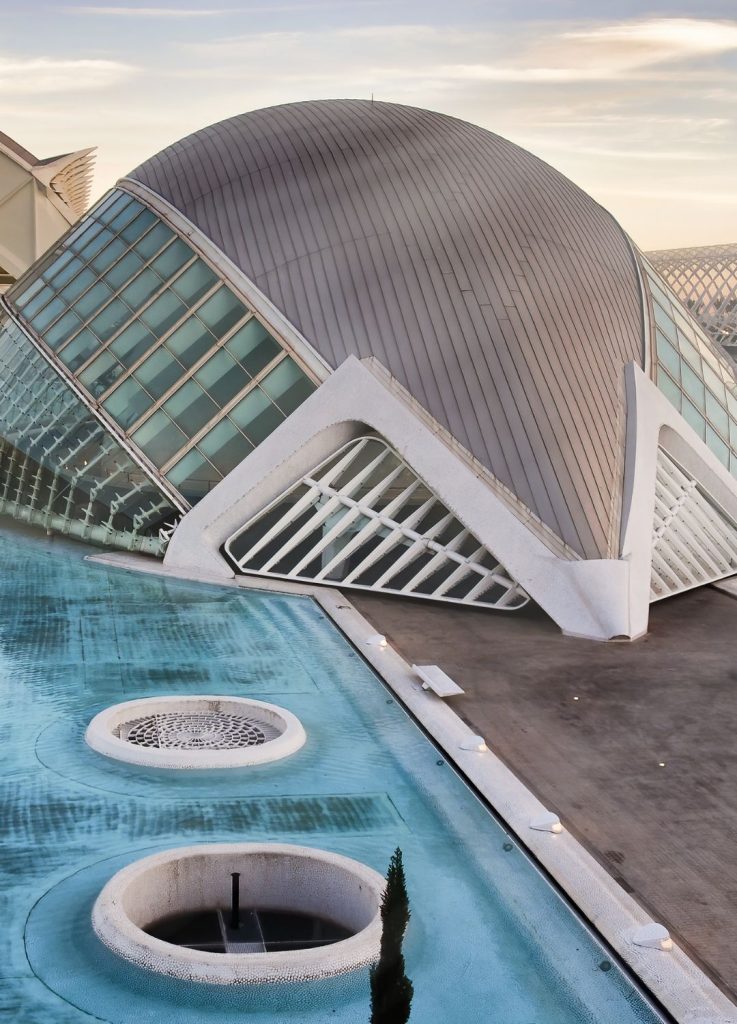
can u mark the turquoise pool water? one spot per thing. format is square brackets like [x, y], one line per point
[489, 941]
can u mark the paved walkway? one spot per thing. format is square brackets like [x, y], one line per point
[587, 726]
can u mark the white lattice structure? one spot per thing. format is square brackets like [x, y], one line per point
[705, 280]
[364, 519]
[694, 542]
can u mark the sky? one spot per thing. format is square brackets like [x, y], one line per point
[636, 102]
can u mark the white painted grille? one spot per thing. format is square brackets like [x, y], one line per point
[694, 541]
[364, 519]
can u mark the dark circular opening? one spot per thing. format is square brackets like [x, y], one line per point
[253, 931]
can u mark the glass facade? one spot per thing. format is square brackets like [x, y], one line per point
[59, 467]
[705, 280]
[164, 347]
[692, 374]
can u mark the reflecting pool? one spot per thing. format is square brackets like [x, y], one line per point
[489, 939]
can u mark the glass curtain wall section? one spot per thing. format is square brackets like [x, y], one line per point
[364, 519]
[695, 377]
[59, 467]
[705, 280]
[160, 343]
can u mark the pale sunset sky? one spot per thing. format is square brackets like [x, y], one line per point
[635, 101]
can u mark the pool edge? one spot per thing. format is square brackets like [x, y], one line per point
[672, 978]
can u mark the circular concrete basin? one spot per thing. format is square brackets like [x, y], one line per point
[272, 877]
[195, 732]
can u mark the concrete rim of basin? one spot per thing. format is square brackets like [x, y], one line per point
[193, 878]
[288, 734]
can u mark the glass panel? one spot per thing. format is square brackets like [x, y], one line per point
[62, 330]
[37, 304]
[101, 374]
[111, 319]
[24, 297]
[53, 267]
[80, 283]
[124, 270]
[91, 301]
[190, 342]
[658, 292]
[692, 385]
[49, 313]
[108, 256]
[691, 353]
[134, 342]
[717, 414]
[79, 239]
[256, 415]
[668, 356]
[225, 446]
[141, 289]
[159, 372]
[80, 349]
[127, 403]
[193, 476]
[670, 389]
[102, 238]
[136, 228]
[65, 273]
[110, 210]
[221, 311]
[163, 313]
[718, 446]
[156, 239]
[194, 282]
[664, 322]
[714, 382]
[124, 215]
[222, 377]
[253, 347]
[159, 438]
[694, 418]
[287, 385]
[190, 408]
[172, 259]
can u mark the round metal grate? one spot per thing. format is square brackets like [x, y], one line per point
[196, 731]
[207, 730]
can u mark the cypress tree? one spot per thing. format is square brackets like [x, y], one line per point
[391, 989]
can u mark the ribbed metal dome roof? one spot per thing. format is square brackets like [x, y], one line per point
[496, 291]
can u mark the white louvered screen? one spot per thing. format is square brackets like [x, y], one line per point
[694, 542]
[364, 519]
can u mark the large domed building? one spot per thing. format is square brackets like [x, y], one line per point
[371, 346]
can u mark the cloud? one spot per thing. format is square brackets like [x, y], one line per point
[37, 75]
[148, 12]
[214, 12]
[533, 54]
[687, 196]
[660, 39]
